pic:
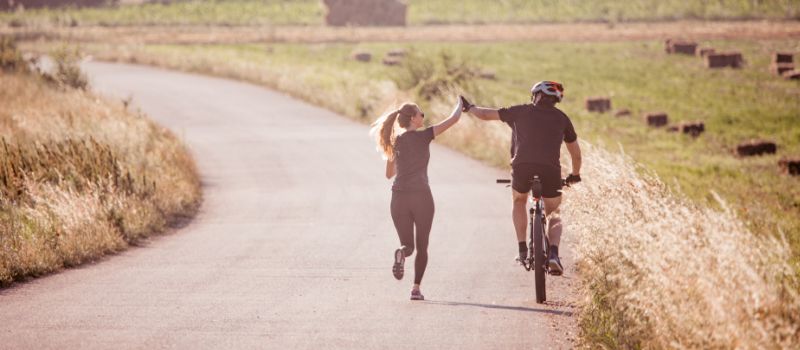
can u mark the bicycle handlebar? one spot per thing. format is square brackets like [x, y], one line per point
[508, 181]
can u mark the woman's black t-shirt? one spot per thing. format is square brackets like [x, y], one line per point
[411, 155]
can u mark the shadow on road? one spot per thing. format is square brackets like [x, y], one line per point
[502, 307]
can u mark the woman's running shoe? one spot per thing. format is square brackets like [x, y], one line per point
[417, 295]
[399, 261]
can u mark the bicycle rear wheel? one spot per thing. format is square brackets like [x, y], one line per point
[537, 231]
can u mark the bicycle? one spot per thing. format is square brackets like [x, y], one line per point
[539, 243]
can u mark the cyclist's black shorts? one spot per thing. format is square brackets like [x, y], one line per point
[522, 174]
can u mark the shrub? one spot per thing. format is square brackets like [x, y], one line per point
[67, 71]
[430, 78]
[10, 58]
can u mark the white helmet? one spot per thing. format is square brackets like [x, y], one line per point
[551, 88]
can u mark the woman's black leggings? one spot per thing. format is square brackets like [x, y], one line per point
[410, 209]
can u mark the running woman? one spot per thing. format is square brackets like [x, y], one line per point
[407, 154]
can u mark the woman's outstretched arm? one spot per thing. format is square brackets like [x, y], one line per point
[450, 121]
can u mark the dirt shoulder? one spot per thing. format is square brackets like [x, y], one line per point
[696, 30]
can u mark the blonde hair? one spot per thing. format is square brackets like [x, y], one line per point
[383, 127]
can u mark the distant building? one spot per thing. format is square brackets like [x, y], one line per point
[365, 12]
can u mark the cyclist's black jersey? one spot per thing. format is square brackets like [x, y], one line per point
[537, 133]
[411, 156]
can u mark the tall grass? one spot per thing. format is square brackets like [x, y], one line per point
[81, 177]
[420, 12]
[661, 272]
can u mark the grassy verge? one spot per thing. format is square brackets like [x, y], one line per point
[692, 277]
[637, 75]
[421, 12]
[80, 177]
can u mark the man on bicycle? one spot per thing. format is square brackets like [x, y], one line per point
[538, 129]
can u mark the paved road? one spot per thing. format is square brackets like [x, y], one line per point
[293, 244]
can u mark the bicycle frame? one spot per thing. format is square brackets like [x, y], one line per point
[536, 213]
[539, 242]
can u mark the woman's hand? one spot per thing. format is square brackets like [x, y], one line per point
[465, 105]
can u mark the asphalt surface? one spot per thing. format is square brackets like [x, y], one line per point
[293, 245]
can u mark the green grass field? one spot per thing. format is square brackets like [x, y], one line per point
[421, 12]
[735, 105]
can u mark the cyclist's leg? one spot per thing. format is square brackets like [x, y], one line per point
[554, 232]
[519, 214]
[551, 193]
[554, 223]
[521, 175]
[403, 221]
[423, 220]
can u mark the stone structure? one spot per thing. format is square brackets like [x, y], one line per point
[793, 74]
[722, 60]
[598, 104]
[11, 4]
[781, 62]
[756, 148]
[790, 166]
[682, 47]
[693, 128]
[782, 57]
[362, 56]
[365, 12]
[656, 119]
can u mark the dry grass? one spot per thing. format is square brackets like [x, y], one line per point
[695, 30]
[81, 177]
[660, 272]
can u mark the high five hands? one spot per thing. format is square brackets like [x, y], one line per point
[465, 105]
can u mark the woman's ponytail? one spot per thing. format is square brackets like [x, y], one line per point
[383, 130]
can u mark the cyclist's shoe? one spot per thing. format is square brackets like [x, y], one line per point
[554, 264]
[522, 257]
[399, 261]
[417, 295]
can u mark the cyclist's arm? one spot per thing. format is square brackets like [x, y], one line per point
[575, 153]
[390, 169]
[484, 113]
[447, 123]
